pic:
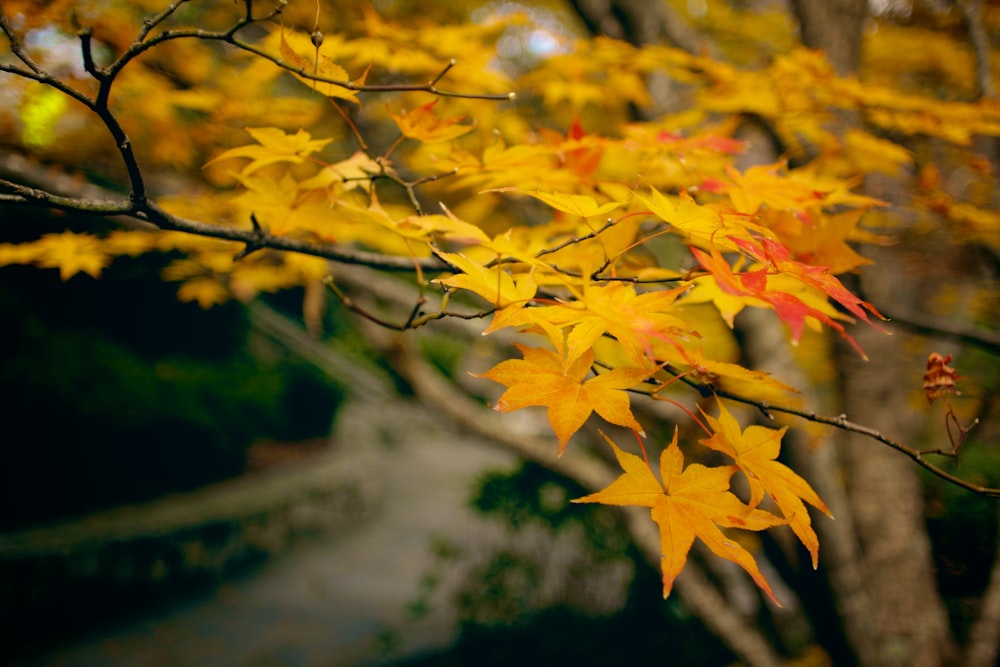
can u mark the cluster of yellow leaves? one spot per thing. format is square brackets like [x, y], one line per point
[616, 249]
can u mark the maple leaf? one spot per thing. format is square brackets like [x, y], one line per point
[702, 226]
[636, 321]
[273, 145]
[317, 64]
[755, 451]
[71, 254]
[355, 172]
[727, 376]
[821, 242]
[19, 253]
[792, 309]
[778, 257]
[766, 185]
[542, 378]
[494, 284]
[424, 125]
[584, 206]
[691, 503]
[580, 154]
[207, 292]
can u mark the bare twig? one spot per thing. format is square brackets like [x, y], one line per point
[229, 37]
[15, 45]
[841, 422]
[940, 328]
[154, 21]
[416, 319]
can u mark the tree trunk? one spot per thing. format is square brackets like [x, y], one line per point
[910, 620]
[835, 27]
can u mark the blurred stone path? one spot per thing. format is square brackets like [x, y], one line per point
[333, 601]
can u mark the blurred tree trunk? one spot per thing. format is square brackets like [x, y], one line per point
[910, 620]
[835, 27]
[887, 501]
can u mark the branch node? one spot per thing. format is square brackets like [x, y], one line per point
[431, 84]
[256, 243]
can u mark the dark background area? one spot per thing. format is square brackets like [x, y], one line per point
[116, 392]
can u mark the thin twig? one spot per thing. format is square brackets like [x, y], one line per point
[941, 328]
[416, 319]
[841, 422]
[154, 21]
[15, 44]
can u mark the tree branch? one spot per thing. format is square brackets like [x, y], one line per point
[260, 239]
[22, 194]
[229, 37]
[984, 339]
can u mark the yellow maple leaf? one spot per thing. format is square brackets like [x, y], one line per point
[71, 254]
[635, 320]
[493, 284]
[755, 451]
[821, 241]
[691, 503]
[542, 378]
[273, 145]
[702, 226]
[584, 206]
[207, 292]
[355, 172]
[318, 65]
[18, 253]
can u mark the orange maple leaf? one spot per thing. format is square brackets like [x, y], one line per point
[542, 378]
[691, 502]
[424, 125]
[578, 152]
[755, 451]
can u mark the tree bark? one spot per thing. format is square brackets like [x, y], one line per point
[636, 21]
[885, 493]
[910, 622]
[983, 647]
[835, 27]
